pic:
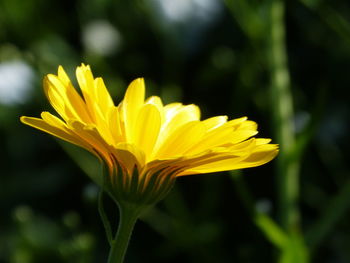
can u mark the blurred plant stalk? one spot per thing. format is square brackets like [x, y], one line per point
[288, 163]
[285, 234]
[282, 108]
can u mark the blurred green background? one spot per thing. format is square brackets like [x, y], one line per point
[284, 64]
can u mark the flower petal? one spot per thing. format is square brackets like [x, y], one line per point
[214, 122]
[87, 86]
[104, 99]
[90, 135]
[65, 99]
[181, 140]
[129, 156]
[131, 105]
[261, 155]
[176, 116]
[56, 129]
[147, 128]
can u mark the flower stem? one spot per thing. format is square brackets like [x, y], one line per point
[128, 217]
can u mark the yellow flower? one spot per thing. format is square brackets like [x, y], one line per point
[144, 143]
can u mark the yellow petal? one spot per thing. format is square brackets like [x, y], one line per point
[214, 122]
[131, 105]
[238, 149]
[115, 126]
[218, 164]
[65, 99]
[54, 121]
[102, 125]
[235, 122]
[55, 99]
[54, 130]
[90, 135]
[157, 102]
[85, 80]
[220, 137]
[261, 155]
[181, 140]
[194, 164]
[248, 125]
[86, 84]
[129, 156]
[104, 99]
[260, 141]
[247, 145]
[62, 75]
[171, 109]
[180, 115]
[147, 128]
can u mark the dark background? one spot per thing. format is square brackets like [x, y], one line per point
[207, 52]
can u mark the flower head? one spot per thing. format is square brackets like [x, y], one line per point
[146, 144]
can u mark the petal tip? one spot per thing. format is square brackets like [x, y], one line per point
[22, 119]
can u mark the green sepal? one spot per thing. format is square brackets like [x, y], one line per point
[138, 189]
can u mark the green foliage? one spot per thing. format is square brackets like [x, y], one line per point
[38, 239]
[284, 64]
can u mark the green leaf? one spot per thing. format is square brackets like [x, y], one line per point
[272, 231]
[87, 162]
[295, 250]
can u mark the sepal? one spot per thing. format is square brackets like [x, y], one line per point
[138, 188]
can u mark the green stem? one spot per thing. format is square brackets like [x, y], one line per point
[288, 168]
[104, 218]
[128, 217]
